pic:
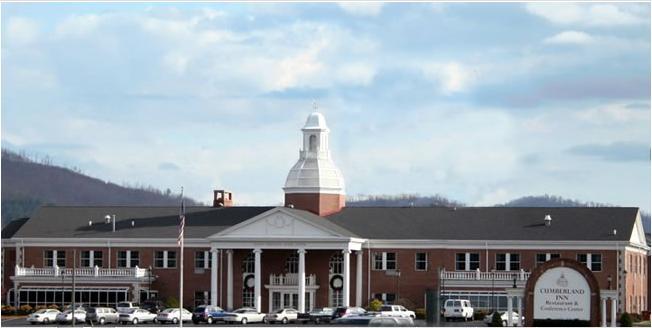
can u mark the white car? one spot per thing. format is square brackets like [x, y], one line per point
[504, 318]
[124, 306]
[283, 316]
[458, 309]
[136, 316]
[66, 316]
[172, 315]
[396, 311]
[43, 316]
[244, 316]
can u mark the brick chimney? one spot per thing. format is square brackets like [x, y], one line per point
[222, 198]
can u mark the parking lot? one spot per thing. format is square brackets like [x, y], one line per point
[22, 322]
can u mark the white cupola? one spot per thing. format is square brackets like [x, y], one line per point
[314, 174]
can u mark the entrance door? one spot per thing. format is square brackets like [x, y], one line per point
[282, 300]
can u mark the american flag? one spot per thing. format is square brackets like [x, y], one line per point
[182, 221]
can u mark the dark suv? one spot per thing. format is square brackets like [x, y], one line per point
[208, 314]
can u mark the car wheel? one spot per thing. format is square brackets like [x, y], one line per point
[175, 321]
[265, 320]
[243, 321]
[209, 320]
[135, 321]
[46, 321]
[504, 323]
[316, 321]
[284, 321]
[102, 320]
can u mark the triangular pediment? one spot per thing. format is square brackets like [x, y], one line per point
[638, 233]
[278, 223]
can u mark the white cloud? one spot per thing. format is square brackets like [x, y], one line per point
[452, 77]
[587, 14]
[362, 8]
[614, 113]
[21, 31]
[570, 37]
[78, 25]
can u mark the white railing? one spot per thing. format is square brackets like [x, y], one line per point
[135, 272]
[486, 276]
[290, 279]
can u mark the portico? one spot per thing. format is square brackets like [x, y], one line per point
[290, 236]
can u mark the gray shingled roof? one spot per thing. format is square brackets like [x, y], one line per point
[471, 223]
[488, 223]
[150, 222]
[12, 227]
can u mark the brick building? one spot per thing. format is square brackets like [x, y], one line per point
[314, 251]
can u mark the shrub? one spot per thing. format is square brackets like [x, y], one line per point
[172, 302]
[8, 310]
[26, 309]
[375, 305]
[406, 303]
[479, 315]
[625, 320]
[420, 313]
[53, 306]
[635, 317]
[496, 320]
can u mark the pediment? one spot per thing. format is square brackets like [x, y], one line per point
[277, 223]
[638, 232]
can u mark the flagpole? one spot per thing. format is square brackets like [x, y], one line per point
[183, 219]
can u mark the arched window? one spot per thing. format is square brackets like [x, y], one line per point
[312, 143]
[248, 263]
[292, 263]
[335, 263]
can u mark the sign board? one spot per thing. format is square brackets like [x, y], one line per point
[562, 293]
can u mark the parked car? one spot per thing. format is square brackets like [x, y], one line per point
[66, 316]
[244, 316]
[283, 316]
[153, 305]
[208, 314]
[173, 315]
[504, 317]
[102, 315]
[123, 306]
[43, 316]
[396, 311]
[317, 315]
[382, 321]
[136, 316]
[343, 312]
[458, 309]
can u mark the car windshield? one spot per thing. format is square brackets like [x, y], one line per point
[40, 311]
[280, 311]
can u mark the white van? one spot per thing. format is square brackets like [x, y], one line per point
[458, 309]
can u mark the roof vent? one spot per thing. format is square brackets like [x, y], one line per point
[133, 223]
[107, 219]
[90, 223]
[547, 220]
[615, 232]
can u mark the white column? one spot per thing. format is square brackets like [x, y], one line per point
[346, 288]
[603, 304]
[358, 279]
[509, 310]
[214, 277]
[229, 279]
[519, 302]
[614, 308]
[302, 280]
[257, 274]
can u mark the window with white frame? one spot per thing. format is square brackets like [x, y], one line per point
[128, 259]
[335, 263]
[541, 258]
[292, 263]
[202, 260]
[165, 259]
[248, 264]
[467, 261]
[90, 258]
[384, 261]
[508, 262]
[421, 261]
[592, 261]
[50, 257]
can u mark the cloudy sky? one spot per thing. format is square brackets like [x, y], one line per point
[480, 102]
